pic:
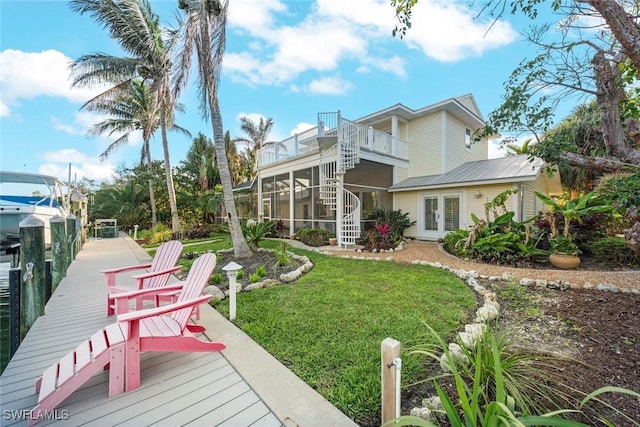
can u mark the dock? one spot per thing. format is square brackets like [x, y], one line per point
[241, 386]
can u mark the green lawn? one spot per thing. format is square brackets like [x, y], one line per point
[327, 327]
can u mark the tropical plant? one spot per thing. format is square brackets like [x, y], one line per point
[137, 29]
[126, 202]
[502, 386]
[502, 240]
[571, 210]
[255, 231]
[203, 31]
[397, 220]
[256, 138]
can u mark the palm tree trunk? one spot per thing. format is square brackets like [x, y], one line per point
[152, 194]
[240, 247]
[175, 219]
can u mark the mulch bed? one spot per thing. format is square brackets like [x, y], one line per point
[599, 329]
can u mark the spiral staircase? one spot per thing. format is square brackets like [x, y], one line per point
[339, 143]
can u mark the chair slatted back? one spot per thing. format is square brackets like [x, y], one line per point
[166, 257]
[196, 280]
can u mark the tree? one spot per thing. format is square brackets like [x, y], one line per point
[581, 59]
[514, 149]
[236, 161]
[256, 138]
[204, 31]
[134, 25]
[127, 202]
[129, 111]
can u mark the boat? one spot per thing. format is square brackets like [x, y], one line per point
[23, 194]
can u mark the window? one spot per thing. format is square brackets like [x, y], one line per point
[467, 139]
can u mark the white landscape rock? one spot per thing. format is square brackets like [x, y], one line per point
[215, 292]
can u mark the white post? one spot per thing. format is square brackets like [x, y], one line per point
[390, 372]
[292, 200]
[232, 271]
[135, 232]
[394, 135]
[370, 137]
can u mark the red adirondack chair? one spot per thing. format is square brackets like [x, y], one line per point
[159, 271]
[118, 345]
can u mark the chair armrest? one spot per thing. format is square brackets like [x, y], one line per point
[146, 292]
[140, 277]
[111, 273]
[123, 269]
[150, 312]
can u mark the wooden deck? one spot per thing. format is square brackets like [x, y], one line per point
[198, 389]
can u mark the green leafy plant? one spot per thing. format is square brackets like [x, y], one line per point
[283, 258]
[397, 221]
[261, 271]
[613, 250]
[254, 277]
[216, 279]
[565, 245]
[502, 387]
[489, 391]
[255, 231]
[313, 236]
[571, 210]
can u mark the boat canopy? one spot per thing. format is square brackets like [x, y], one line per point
[28, 178]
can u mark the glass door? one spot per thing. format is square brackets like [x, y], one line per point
[431, 216]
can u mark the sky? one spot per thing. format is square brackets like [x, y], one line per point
[285, 59]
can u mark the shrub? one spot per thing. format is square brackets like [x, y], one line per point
[196, 232]
[160, 234]
[255, 231]
[397, 220]
[500, 241]
[313, 236]
[613, 250]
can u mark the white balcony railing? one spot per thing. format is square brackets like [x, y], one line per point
[306, 142]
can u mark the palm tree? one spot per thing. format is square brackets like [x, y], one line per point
[256, 138]
[204, 31]
[125, 201]
[129, 111]
[134, 25]
[236, 161]
[515, 150]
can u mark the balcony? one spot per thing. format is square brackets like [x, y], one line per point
[368, 138]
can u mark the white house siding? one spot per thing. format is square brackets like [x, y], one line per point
[475, 205]
[400, 174]
[467, 101]
[457, 153]
[533, 205]
[425, 145]
[406, 202]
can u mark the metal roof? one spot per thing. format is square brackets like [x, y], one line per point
[504, 169]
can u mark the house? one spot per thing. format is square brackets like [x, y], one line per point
[421, 161]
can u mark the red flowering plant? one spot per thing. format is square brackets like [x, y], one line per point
[379, 237]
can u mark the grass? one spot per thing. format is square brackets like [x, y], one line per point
[327, 327]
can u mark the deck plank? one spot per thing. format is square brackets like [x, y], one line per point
[176, 388]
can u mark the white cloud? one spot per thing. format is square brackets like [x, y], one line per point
[83, 120]
[358, 30]
[27, 75]
[329, 86]
[4, 109]
[254, 117]
[448, 32]
[495, 150]
[301, 127]
[57, 164]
